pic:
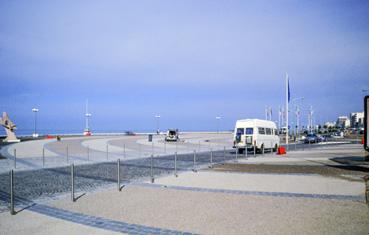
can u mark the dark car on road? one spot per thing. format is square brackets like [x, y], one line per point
[311, 138]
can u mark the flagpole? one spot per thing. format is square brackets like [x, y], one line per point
[287, 110]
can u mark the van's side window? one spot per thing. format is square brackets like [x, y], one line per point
[240, 131]
[249, 131]
[261, 130]
[268, 131]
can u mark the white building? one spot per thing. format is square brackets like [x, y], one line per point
[330, 124]
[357, 119]
[343, 122]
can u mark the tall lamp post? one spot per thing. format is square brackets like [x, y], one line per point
[35, 135]
[297, 117]
[157, 123]
[218, 120]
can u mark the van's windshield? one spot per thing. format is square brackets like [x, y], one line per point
[240, 131]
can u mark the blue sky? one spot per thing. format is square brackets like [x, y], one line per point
[188, 61]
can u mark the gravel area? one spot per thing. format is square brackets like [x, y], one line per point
[325, 170]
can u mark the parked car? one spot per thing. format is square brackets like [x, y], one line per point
[321, 138]
[172, 135]
[311, 138]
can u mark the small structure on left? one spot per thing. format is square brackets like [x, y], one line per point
[10, 127]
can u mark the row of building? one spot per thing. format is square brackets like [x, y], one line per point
[356, 120]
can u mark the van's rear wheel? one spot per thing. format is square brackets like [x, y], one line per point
[260, 150]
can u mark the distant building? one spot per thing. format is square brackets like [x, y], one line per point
[357, 119]
[343, 122]
[329, 124]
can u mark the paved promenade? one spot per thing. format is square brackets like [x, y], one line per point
[316, 191]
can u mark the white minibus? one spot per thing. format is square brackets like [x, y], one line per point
[262, 134]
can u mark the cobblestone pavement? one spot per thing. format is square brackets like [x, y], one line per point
[41, 184]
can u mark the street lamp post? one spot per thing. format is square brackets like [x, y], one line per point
[297, 117]
[157, 123]
[218, 120]
[35, 135]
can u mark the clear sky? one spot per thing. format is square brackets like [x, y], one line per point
[188, 61]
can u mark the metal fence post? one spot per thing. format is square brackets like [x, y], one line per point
[211, 158]
[246, 151]
[254, 150]
[236, 154]
[67, 155]
[194, 161]
[72, 181]
[165, 146]
[175, 164]
[12, 212]
[139, 149]
[124, 150]
[152, 169]
[107, 152]
[263, 149]
[15, 158]
[43, 157]
[271, 148]
[224, 153]
[118, 174]
[88, 153]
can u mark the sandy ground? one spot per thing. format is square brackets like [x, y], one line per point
[218, 213]
[311, 184]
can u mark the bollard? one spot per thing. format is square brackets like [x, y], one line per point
[165, 146]
[246, 151]
[151, 169]
[67, 155]
[254, 150]
[175, 164]
[194, 161]
[43, 157]
[72, 181]
[15, 158]
[211, 158]
[88, 153]
[295, 145]
[118, 174]
[224, 153]
[107, 152]
[12, 212]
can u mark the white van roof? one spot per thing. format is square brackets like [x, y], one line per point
[256, 122]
